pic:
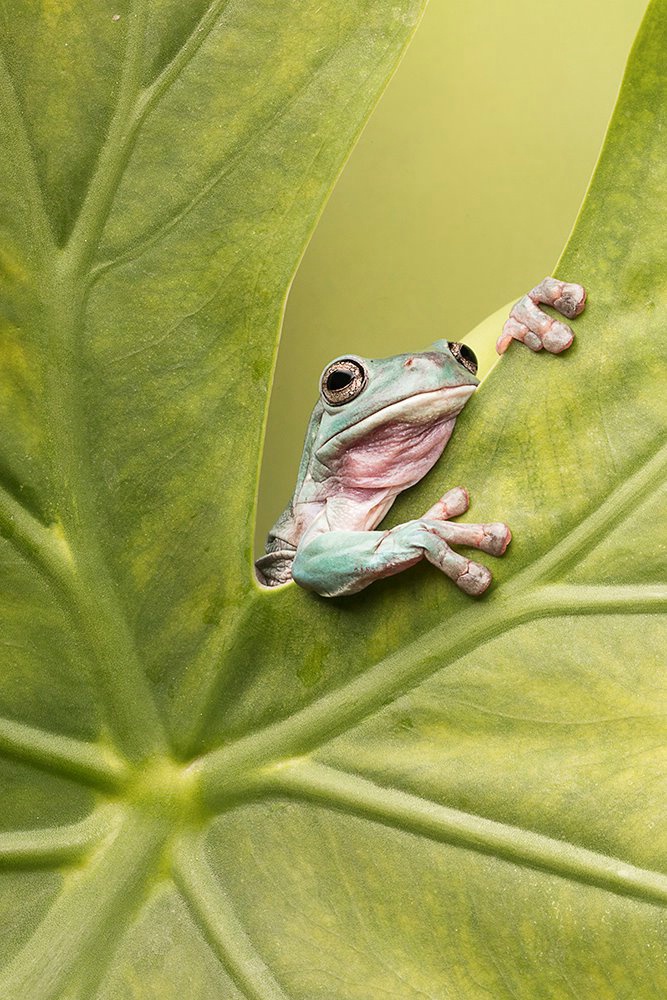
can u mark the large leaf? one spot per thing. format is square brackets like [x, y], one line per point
[214, 791]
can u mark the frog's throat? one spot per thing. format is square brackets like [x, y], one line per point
[430, 406]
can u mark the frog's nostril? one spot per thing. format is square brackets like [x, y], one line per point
[409, 362]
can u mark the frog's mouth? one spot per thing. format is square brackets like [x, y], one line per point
[433, 406]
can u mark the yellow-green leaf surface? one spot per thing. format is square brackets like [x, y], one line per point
[213, 791]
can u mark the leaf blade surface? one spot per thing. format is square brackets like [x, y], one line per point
[425, 794]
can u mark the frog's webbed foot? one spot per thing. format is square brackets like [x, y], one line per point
[533, 327]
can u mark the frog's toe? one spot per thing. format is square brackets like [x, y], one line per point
[468, 576]
[497, 537]
[503, 342]
[475, 580]
[514, 329]
[565, 296]
[570, 299]
[453, 503]
[535, 332]
[492, 538]
[557, 338]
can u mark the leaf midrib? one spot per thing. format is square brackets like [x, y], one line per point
[84, 919]
[304, 781]
[88, 588]
[310, 781]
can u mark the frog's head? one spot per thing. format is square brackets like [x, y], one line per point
[385, 421]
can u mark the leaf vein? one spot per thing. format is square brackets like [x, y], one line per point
[154, 235]
[398, 673]
[93, 764]
[333, 789]
[40, 224]
[54, 846]
[212, 912]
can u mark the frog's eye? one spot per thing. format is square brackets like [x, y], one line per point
[343, 381]
[465, 356]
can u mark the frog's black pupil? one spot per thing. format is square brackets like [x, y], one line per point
[469, 355]
[338, 380]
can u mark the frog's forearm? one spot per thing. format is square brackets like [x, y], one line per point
[338, 563]
[343, 562]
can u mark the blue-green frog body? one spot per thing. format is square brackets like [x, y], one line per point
[378, 427]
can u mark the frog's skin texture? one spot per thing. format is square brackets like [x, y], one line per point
[377, 429]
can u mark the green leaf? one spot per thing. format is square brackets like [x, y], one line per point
[215, 791]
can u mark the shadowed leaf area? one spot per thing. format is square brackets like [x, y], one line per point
[213, 791]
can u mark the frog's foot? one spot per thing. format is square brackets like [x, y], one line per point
[336, 563]
[492, 538]
[533, 327]
[469, 576]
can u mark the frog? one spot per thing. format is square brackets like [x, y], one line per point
[378, 427]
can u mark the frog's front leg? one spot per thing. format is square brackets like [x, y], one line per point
[528, 324]
[337, 563]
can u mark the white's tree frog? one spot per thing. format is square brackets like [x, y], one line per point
[378, 428]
